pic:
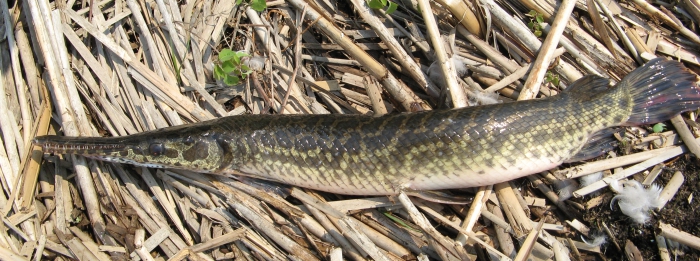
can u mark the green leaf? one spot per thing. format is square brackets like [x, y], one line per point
[258, 5]
[245, 69]
[375, 4]
[226, 54]
[392, 7]
[538, 33]
[659, 127]
[228, 67]
[532, 13]
[555, 81]
[237, 57]
[219, 73]
[539, 18]
[238, 2]
[245, 74]
[231, 80]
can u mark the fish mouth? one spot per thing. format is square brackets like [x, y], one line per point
[110, 149]
[81, 145]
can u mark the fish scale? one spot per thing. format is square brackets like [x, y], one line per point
[429, 150]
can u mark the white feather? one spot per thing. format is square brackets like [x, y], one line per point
[590, 178]
[256, 63]
[459, 65]
[635, 201]
[565, 188]
[435, 72]
[597, 239]
[486, 97]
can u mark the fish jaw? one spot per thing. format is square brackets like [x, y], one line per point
[202, 153]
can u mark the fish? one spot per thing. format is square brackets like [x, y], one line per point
[418, 151]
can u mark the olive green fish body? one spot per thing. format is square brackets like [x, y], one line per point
[441, 149]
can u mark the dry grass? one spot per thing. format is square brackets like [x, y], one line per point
[120, 67]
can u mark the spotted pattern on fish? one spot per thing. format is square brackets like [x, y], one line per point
[440, 149]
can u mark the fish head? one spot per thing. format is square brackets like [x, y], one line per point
[202, 153]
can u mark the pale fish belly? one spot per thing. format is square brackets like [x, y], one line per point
[473, 179]
[476, 175]
[411, 181]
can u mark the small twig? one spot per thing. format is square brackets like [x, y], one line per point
[471, 234]
[574, 249]
[519, 221]
[599, 26]
[606, 164]
[437, 241]
[503, 231]
[529, 243]
[532, 85]
[375, 96]
[663, 249]
[399, 92]
[402, 57]
[551, 195]
[459, 98]
[667, 20]
[632, 252]
[620, 33]
[474, 211]
[686, 135]
[625, 173]
[297, 61]
[653, 174]
[139, 237]
[612, 237]
[671, 188]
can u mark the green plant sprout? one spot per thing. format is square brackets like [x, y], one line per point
[231, 68]
[535, 23]
[399, 221]
[551, 78]
[380, 4]
[257, 5]
[659, 127]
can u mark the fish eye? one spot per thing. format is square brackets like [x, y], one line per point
[156, 149]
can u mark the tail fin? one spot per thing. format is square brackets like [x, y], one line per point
[660, 89]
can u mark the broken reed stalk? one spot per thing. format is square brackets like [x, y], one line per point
[474, 212]
[532, 85]
[663, 249]
[447, 67]
[398, 91]
[672, 233]
[412, 68]
[687, 136]
[529, 243]
[670, 189]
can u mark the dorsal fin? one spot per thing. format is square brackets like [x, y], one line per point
[588, 85]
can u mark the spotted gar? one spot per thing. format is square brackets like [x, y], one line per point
[429, 150]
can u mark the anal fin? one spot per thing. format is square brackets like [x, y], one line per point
[598, 144]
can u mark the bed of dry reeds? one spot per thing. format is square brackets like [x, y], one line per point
[120, 67]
